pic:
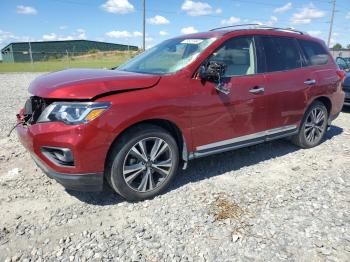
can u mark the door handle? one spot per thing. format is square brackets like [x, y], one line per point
[257, 90]
[310, 82]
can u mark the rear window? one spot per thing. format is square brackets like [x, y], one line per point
[281, 53]
[314, 52]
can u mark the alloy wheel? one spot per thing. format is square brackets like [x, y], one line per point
[315, 125]
[147, 164]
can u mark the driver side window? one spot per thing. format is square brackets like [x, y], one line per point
[238, 55]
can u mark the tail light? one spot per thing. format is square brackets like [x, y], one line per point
[341, 74]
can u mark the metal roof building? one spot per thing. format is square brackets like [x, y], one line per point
[44, 50]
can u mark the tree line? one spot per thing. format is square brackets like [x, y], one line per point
[339, 46]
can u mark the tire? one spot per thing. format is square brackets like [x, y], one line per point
[142, 163]
[313, 126]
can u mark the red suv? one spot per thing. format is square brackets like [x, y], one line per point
[188, 97]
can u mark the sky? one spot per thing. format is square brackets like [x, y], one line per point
[120, 21]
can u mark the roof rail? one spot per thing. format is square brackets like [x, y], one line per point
[260, 26]
[230, 26]
[287, 29]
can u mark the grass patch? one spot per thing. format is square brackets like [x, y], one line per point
[94, 60]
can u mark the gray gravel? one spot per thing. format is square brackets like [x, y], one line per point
[269, 202]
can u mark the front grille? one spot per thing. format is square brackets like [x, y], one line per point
[33, 108]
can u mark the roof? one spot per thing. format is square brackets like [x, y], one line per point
[61, 41]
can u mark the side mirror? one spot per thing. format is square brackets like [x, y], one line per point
[212, 70]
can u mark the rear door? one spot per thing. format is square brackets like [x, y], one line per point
[319, 61]
[287, 81]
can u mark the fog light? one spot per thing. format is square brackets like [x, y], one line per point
[59, 156]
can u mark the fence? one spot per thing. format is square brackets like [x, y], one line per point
[53, 61]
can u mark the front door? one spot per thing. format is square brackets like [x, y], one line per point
[220, 120]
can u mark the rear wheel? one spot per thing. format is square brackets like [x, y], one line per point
[313, 127]
[144, 162]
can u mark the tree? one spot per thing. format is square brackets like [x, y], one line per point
[348, 46]
[337, 46]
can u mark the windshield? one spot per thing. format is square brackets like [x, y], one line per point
[167, 57]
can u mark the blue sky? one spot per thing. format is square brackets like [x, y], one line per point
[120, 21]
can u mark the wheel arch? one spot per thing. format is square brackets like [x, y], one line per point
[326, 101]
[168, 125]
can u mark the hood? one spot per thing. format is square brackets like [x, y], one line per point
[88, 83]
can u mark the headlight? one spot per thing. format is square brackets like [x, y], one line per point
[73, 112]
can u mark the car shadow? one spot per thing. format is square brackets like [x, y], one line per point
[211, 166]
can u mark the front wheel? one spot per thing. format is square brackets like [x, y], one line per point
[313, 126]
[143, 163]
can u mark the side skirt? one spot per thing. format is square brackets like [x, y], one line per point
[243, 141]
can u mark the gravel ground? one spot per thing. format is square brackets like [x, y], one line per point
[269, 202]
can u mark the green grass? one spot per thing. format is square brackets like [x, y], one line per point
[101, 60]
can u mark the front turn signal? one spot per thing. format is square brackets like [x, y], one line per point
[94, 113]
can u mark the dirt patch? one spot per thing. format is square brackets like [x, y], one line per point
[226, 209]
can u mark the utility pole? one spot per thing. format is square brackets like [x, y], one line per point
[144, 25]
[331, 24]
[30, 52]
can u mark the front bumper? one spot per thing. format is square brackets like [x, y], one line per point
[89, 145]
[79, 182]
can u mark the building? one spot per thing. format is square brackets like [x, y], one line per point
[44, 50]
[340, 52]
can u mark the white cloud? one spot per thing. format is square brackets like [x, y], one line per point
[193, 8]
[50, 37]
[189, 30]
[307, 14]
[8, 37]
[284, 8]
[230, 21]
[123, 34]
[149, 39]
[118, 6]
[273, 21]
[137, 34]
[26, 10]
[347, 15]
[79, 34]
[315, 33]
[158, 20]
[163, 33]
[63, 27]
